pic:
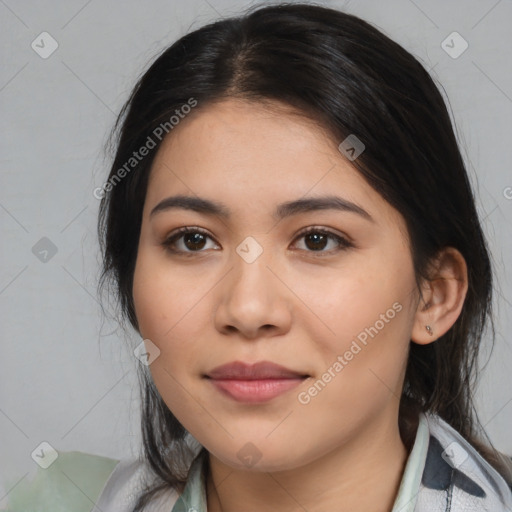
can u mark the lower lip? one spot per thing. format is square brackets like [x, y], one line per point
[255, 391]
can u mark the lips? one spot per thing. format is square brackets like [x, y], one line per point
[263, 370]
[254, 383]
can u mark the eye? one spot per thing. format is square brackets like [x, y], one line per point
[316, 240]
[191, 240]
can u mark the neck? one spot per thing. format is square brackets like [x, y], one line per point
[360, 475]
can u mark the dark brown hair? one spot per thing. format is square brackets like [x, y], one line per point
[351, 78]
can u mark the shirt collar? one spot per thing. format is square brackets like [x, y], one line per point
[193, 498]
[411, 479]
[455, 470]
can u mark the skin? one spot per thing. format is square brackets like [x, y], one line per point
[293, 305]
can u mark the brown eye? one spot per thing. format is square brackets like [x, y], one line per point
[194, 241]
[316, 240]
[187, 240]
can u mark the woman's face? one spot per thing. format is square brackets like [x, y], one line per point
[248, 285]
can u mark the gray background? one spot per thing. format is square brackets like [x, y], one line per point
[67, 376]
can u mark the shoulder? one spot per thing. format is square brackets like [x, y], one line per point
[457, 476]
[125, 484]
[73, 482]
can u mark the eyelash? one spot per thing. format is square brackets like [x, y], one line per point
[169, 242]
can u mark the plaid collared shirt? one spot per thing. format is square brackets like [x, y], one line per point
[444, 473]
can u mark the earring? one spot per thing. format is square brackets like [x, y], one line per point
[429, 330]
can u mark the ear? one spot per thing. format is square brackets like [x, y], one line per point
[443, 297]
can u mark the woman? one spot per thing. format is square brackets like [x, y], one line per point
[289, 226]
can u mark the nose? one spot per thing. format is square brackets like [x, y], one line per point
[253, 300]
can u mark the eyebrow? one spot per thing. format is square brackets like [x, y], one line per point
[283, 210]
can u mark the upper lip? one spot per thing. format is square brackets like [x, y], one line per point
[262, 370]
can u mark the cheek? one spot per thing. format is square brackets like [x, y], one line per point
[162, 297]
[158, 312]
[369, 316]
[171, 313]
[164, 314]
[363, 364]
[340, 304]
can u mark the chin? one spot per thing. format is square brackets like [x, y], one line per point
[259, 457]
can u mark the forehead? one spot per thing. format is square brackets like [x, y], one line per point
[252, 156]
[250, 144]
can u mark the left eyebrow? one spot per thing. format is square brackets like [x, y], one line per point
[309, 204]
[283, 210]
